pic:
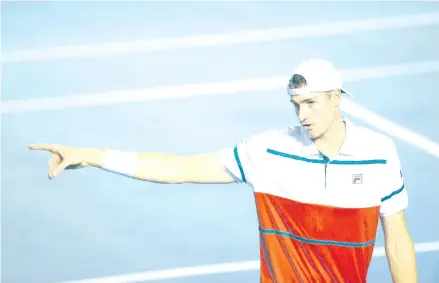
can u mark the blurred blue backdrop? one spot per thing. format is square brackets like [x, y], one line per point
[90, 223]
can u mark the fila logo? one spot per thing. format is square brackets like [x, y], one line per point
[357, 178]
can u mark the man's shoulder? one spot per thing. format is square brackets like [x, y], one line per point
[261, 139]
[288, 138]
[373, 139]
[274, 135]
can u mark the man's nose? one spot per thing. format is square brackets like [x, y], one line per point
[302, 113]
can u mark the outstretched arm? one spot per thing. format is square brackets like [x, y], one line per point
[153, 167]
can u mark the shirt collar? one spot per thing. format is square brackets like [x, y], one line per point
[349, 144]
[347, 148]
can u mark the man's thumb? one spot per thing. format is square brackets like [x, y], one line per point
[59, 168]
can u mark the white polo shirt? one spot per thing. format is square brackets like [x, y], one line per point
[318, 217]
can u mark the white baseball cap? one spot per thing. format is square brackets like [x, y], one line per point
[320, 75]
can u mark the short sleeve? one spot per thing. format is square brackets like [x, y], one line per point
[394, 195]
[237, 161]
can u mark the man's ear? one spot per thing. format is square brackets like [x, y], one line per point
[335, 96]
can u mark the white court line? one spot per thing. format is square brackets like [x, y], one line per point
[204, 89]
[215, 269]
[390, 128]
[222, 39]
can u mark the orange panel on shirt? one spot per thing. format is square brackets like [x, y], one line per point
[302, 242]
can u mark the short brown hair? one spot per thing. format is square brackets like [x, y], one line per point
[297, 81]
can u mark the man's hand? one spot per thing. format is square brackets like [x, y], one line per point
[64, 157]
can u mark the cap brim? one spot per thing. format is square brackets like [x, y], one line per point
[346, 92]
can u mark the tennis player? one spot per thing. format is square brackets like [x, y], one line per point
[321, 187]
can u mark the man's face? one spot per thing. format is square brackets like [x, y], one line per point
[317, 111]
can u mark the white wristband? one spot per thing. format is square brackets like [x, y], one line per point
[120, 162]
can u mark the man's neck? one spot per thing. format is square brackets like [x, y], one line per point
[330, 143]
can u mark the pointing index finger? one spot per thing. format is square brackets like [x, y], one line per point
[48, 147]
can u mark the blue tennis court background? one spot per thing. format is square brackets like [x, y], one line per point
[89, 223]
